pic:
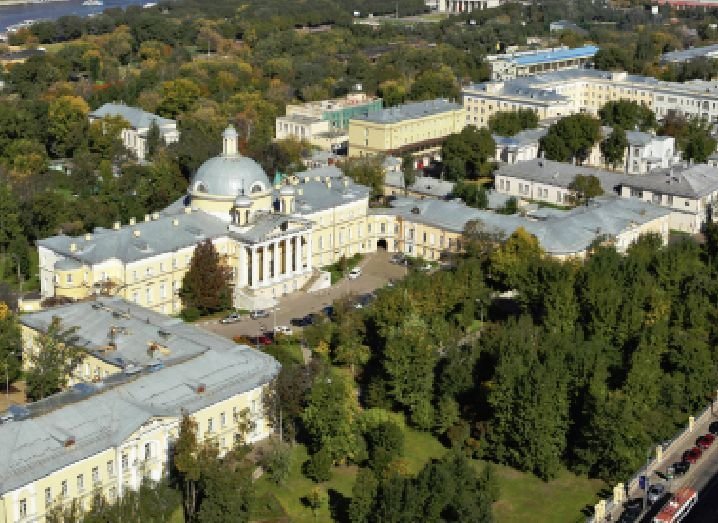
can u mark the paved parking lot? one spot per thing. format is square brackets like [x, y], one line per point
[377, 270]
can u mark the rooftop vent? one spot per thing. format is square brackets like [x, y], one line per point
[155, 216]
[88, 237]
[116, 226]
[147, 217]
[175, 222]
[69, 441]
[133, 220]
[136, 233]
[201, 388]
[73, 247]
[188, 210]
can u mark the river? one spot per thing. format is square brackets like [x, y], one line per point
[14, 14]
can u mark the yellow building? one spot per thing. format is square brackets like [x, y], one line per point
[417, 128]
[105, 437]
[567, 92]
[273, 236]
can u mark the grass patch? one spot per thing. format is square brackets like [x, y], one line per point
[342, 266]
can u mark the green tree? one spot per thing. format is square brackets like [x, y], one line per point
[205, 286]
[586, 187]
[152, 502]
[408, 171]
[319, 466]
[434, 83]
[473, 194]
[467, 154]
[154, 139]
[188, 466]
[366, 171]
[363, 494]
[570, 138]
[509, 123]
[627, 115]
[614, 147]
[67, 125]
[178, 96]
[55, 356]
[10, 342]
[226, 493]
[329, 416]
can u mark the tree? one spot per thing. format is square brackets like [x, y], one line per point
[319, 466]
[205, 286]
[627, 115]
[105, 137]
[363, 494]
[188, 467]
[407, 169]
[277, 462]
[178, 96]
[53, 359]
[434, 83]
[614, 147]
[151, 503]
[693, 136]
[154, 139]
[10, 341]
[329, 416]
[366, 171]
[473, 194]
[586, 187]
[570, 138]
[226, 493]
[67, 125]
[467, 154]
[509, 123]
[385, 442]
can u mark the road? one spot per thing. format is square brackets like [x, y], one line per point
[707, 508]
[376, 272]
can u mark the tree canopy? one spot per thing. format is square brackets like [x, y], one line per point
[205, 286]
[571, 138]
[468, 154]
[508, 123]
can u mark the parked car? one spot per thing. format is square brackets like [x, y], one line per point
[705, 441]
[262, 340]
[632, 510]
[398, 259]
[304, 321]
[656, 492]
[355, 273]
[692, 455]
[232, 317]
[680, 468]
[390, 283]
[283, 329]
[259, 313]
[713, 428]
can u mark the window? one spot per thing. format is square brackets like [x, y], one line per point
[136, 297]
[210, 423]
[112, 493]
[125, 461]
[48, 496]
[148, 295]
[174, 263]
[382, 227]
[69, 278]
[162, 267]
[163, 291]
[95, 475]
[63, 488]
[110, 468]
[148, 451]
[23, 508]
[134, 275]
[80, 483]
[253, 409]
[235, 414]
[223, 419]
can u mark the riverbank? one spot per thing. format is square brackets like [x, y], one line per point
[27, 2]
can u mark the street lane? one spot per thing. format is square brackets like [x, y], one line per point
[706, 511]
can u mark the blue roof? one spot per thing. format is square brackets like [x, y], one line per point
[554, 56]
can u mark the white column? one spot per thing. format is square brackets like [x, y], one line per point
[275, 258]
[266, 277]
[309, 251]
[288, 256]
[298, 253]
[255, 267]
[242, 266]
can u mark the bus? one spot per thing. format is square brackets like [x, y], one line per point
[678, 506]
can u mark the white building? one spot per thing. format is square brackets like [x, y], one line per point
[466, 6]
[647, 152]
[526, 63]
[134, 138]
[521, 147]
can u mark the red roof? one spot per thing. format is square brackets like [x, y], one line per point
[679, 499]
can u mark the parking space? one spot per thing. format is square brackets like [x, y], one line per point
[377, 270]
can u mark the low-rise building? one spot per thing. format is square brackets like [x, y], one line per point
[466, 6]
[417, 128]
[134, 138]
[521, 147]
[105, 437]
[338, 111]
[423, 186]
[688, 55]
[527, 63]
[428, 228]
[689, 191]
[647, 152]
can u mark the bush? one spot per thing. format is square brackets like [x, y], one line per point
[319, 466]
[190, 314]
[277, 462]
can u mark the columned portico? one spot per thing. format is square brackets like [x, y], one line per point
[298, 265]
[276, 265]
[255, 267]
[288, 256]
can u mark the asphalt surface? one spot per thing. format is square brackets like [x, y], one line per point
[377, 270]
[706, 510]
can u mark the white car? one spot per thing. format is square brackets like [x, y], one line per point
[355, 273]
[283, 329]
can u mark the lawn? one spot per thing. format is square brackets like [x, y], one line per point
[523, 497]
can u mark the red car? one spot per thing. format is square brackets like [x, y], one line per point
[706, 441]
[262, 340]
[692, 455]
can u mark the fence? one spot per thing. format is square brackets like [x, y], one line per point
[609, 505]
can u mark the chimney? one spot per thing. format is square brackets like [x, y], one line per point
[690, 162]
[116, 226]
[175, 222]
[133, 220]
[155, 216]
[188, 210]
[328, 181]
[300, 191]
[73, 247]
[201, 388]
[147, 217]
[136, 233]
[69, 441]
[345, 181]
[88, 237]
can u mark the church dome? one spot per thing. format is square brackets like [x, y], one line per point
[230, 173]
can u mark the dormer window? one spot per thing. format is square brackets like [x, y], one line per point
[257, 187]
[200, 187]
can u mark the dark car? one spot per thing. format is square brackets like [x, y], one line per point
[692, 455]
[262, 340]
[260, 313]
[681, 467]
[632, 510]
[704, 442]
[303, 322]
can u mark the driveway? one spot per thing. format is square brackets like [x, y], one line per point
[377, 270]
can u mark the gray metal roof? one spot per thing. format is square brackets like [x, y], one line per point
[132, 329]
[229, 175]
[522, 138]
[155, 237]
[568, 233]
[316, 196]
[332, 171]
[410, 111]
[104, 416]
[422, 185]
[686, 55]
[135, 116]
[692, 181]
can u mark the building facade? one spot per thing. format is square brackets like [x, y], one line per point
[417, 128]
[104, 436]
[271, 236]
[527, 63]
[561, 93]
[134, 138]
[466, 6]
